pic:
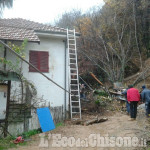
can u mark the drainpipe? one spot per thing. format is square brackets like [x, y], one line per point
[5, 53]
[65, 79]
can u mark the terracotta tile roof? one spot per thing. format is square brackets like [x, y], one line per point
[20, 29]
[9, 33]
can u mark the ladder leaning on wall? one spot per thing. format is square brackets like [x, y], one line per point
[75, 106]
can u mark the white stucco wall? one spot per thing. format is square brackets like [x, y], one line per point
[46, 89]
[52, 94]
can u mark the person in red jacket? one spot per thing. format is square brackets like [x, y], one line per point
[133, 97]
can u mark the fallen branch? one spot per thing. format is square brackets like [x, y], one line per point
[86, 123]
[78, 122]
[97, 120]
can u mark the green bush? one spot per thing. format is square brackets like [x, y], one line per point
[30, 133]
[7, 142]
[100, 102]
[101, 93]
[97, 102]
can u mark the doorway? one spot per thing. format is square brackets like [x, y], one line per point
[3, 100]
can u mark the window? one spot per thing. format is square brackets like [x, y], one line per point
[39, 59]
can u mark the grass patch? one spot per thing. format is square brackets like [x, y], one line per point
[31, 133]
[59, 124]
[6, 143]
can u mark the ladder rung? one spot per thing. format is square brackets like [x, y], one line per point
[73, 58]
[70, 35]
[72, 54]
[71, 49]
[72, 44]
[70, 30]
[75, 106]
[74, 90]
[74, 79]
[74, 95]
[74, 101]
[74, 74]
[72, 63]
[75, 112]
[73, 69]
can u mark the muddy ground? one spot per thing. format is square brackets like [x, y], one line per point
[118, 126]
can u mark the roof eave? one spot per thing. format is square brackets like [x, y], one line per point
[20, 40]
[55, 33]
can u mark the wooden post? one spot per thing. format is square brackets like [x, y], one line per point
[96, 78]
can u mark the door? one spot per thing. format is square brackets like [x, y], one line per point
[3, 101]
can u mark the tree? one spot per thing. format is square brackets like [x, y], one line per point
[69, 19]
[114, 36]
[108, 38]
[5, 3]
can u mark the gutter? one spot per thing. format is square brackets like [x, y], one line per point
[12, 40]
[61, 33]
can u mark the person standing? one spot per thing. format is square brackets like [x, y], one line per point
[127, 103]
[145, 96]
[133, 97]
[82, 91]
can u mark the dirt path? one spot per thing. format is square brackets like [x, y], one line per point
[116, 126]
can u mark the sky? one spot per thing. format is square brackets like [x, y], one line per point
[47, 11]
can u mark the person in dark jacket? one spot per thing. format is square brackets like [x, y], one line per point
[145, 96]
[127, 103]
[133, 97]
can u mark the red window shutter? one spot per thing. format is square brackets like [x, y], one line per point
[40, 59]
[33, 59]
[44, 61]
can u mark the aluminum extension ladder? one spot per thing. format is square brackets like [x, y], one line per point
[75, 105]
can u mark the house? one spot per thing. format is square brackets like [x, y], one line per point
[46, 49]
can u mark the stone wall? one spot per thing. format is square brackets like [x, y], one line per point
[21, 124]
